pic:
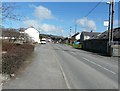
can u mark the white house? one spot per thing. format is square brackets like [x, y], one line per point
[77, 37]
[33, 34]
[88, 35]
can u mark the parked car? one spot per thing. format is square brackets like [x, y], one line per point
[43, 41]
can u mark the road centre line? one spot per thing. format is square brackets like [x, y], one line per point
[99, 65]
[63, 73]
[73, 53]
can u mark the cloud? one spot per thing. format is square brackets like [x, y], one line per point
[43, 13]
[48, 28]
[33, 23]
[86, 24]
[82, 22]
[84, 29]
[91, 24]
[44, 28]
[51, 29]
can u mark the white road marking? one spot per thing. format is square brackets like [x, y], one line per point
[99, 65]
[66, 80]
[63, 73]
[73, 53]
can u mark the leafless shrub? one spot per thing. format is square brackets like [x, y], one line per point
[15, 56]
[13, 35]
[10, 33]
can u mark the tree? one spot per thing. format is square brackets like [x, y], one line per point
[10, 33]
[7, 10]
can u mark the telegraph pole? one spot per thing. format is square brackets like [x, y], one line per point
[109, 23]
[111, 30]
[70, 35]
[70, 31]
[75, 28]
[112, 20]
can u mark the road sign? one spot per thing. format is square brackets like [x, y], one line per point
[106, 23]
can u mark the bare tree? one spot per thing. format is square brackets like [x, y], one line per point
[7, 10]
[10, 33]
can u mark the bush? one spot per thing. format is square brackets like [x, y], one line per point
[15, 56]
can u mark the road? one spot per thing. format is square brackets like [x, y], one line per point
[58, 66]
[86, 70]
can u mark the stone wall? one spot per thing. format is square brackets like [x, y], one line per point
[116, 50]
[95, 45]
[101, 46]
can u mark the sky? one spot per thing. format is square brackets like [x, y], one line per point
[57, 17]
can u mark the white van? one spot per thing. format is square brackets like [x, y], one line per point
[43, 41]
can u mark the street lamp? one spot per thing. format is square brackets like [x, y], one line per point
[109, 2]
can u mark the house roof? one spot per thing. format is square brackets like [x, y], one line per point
[91, 34]
[76, 34]
[23, 29]
[116, 34]
[103, 35]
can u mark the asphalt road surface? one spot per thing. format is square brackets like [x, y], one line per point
[58, 66]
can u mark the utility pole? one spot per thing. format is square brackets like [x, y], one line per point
[70, 31]
[109, 23]
[75, 28]
[112, 20]
[111, 30]
[70, 35]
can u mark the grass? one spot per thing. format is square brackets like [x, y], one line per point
[69, 44]
[77, 46]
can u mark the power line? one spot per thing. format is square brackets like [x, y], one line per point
[93, 8]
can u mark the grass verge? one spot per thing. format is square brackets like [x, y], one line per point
[77, 46]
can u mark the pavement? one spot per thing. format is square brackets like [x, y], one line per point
[43, 73]
[57, 66]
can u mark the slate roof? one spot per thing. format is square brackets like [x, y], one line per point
[104, 35]
[116, 33]
[75, 34]
[22, 29]
[91, 34]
